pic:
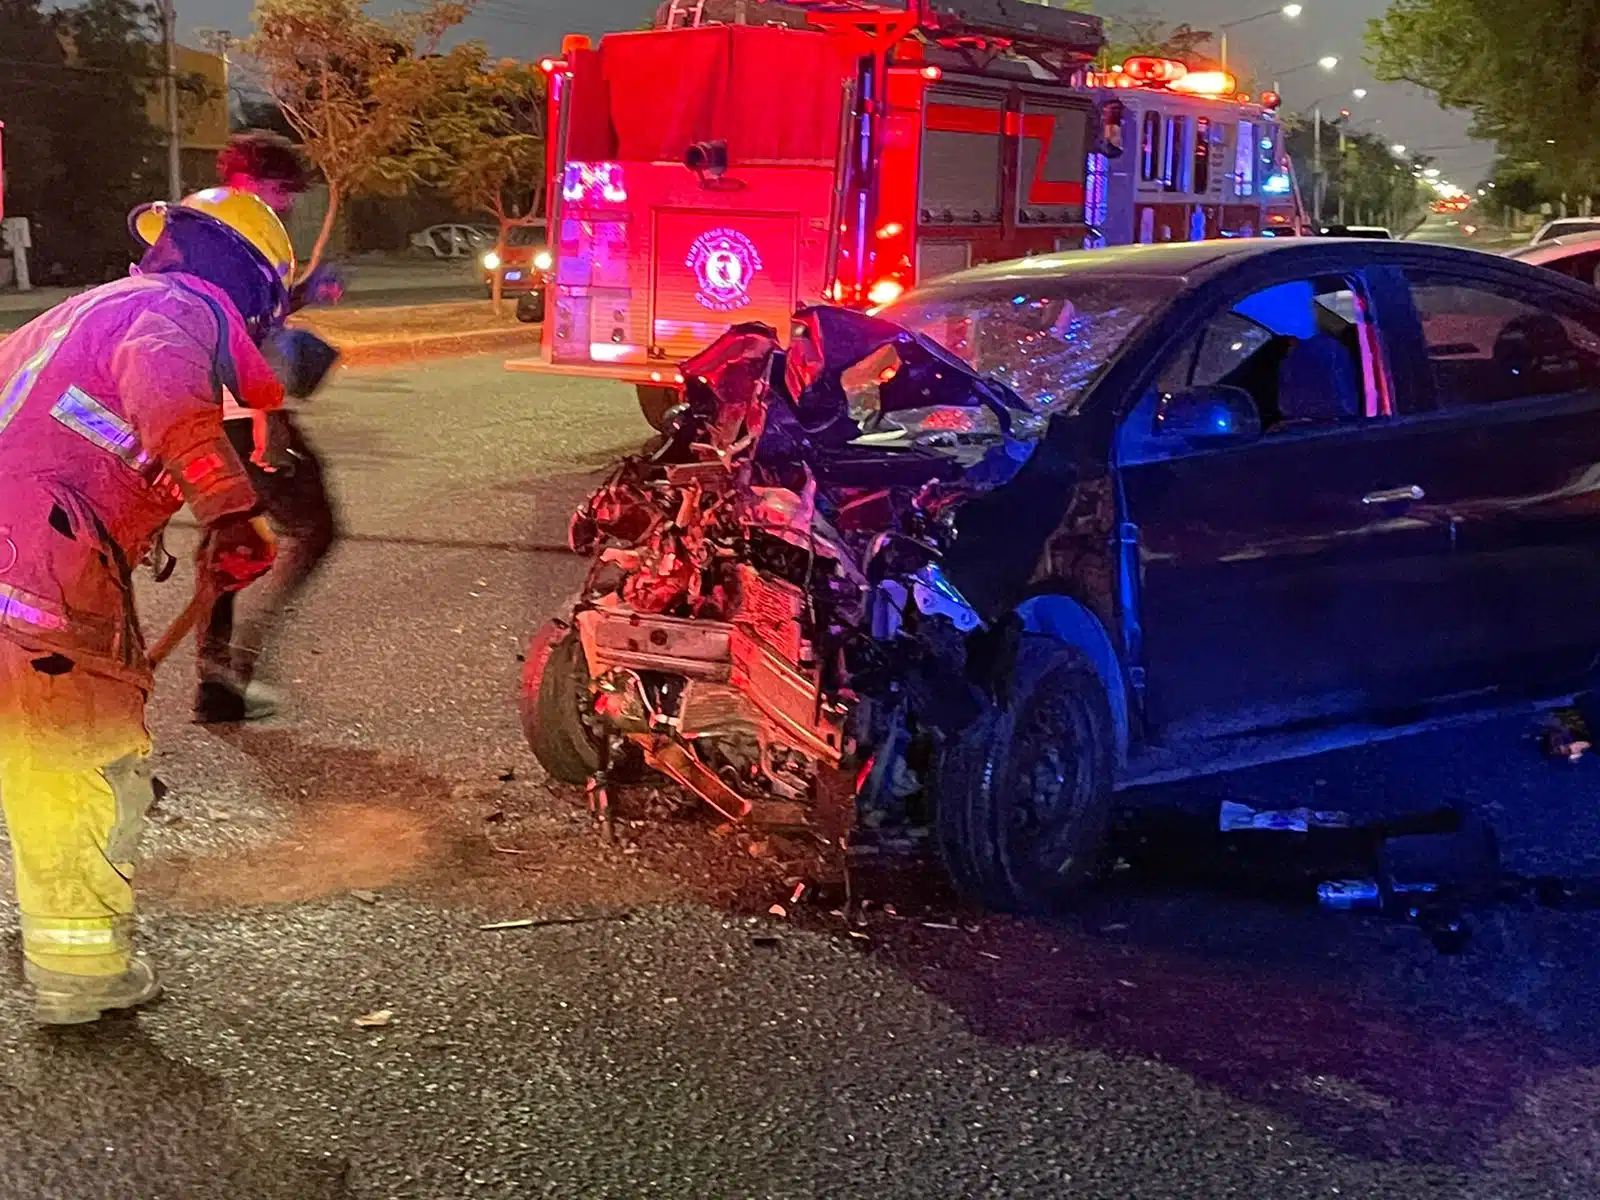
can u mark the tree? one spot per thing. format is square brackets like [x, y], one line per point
[334, 71]
[481, 136]
[1144, 34]
[80, 150]
[1528, 73]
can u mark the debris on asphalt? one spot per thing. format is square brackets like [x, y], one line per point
[375, 1020]
[508, 775]
[365, 896]
[1566, 735]
[799, 892]
[1344, 895]
[765, 939]
[941, 925]
[1233, 817]
[621, 914]
[778, 910]
[987, 954]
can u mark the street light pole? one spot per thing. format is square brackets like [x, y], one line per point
[1288, 11]
[169, 38]
[1316, 165]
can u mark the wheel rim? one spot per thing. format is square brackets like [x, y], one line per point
[1052, 785]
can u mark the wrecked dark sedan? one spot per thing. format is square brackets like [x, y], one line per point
[1048, 528]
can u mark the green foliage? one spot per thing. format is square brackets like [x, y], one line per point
[480, 134]
[1528, 73]
[1139, 34]
[1375, 185]
[80, 150]
[343, 80]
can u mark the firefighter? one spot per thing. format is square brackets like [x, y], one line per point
[111, 420]
[283, 468]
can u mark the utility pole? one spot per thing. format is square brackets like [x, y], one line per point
[1343, 174]
[1316, 165]
[169, 37]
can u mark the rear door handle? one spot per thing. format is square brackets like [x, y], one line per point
[1399, 495]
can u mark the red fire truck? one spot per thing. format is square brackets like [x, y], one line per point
[745, 157]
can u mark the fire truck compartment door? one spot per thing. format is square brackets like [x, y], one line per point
[715, 269]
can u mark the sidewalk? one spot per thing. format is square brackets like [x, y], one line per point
[404, 333]
[369, 282]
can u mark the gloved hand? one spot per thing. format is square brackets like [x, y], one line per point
[236, 550]
[322, 286]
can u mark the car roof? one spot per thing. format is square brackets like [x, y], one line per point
[1188, 263]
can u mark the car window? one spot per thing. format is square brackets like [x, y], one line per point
[1583, 267]
[1304, 351]
[1489, 342]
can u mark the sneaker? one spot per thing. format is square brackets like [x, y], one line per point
[218, 703]
[63, 999]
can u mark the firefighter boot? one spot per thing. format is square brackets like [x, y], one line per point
[217, 702]
[63, 999]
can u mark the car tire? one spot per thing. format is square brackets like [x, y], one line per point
[656, 401]
[554, 684]
[530, 308]
[1023, 794]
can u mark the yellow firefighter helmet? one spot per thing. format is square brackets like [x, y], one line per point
[243, 212]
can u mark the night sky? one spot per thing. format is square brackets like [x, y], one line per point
[530, 28]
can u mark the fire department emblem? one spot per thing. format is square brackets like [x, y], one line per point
[724, 263]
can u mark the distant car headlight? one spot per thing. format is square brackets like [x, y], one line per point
[491, 261]
[542, 260]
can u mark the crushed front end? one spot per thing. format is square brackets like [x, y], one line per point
[765, 620]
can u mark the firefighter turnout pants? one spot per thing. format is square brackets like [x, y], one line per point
[75, 786]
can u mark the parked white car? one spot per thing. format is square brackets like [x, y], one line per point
[1565, 227]
[452, 241]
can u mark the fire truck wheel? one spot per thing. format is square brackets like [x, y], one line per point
[530, 308]
[555, 682]
[654, 402]
[1023, 796]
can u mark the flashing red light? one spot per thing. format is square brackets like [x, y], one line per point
[1270, 99]
[932, 74]
[1204, 83]
[1148, 69]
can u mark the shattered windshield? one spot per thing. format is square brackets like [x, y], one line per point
[1046, 339]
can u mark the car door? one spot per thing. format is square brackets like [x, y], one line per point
[1511, 412]
[1285, 579]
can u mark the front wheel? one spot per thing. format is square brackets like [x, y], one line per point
[656, 401]
[1023, 795]
[555, 693]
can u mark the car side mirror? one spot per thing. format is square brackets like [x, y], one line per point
[1215, 415]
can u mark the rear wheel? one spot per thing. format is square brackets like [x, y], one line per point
[655, 401]
[1024, 793]
[555, 696]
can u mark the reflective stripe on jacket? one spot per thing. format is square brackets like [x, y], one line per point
[110, 419]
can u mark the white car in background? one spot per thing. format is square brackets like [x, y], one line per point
[1576, 255]
[453, 241]
[1565, 227]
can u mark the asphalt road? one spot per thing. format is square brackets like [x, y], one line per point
[341, 860]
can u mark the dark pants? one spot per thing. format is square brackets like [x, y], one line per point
[296, 505]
